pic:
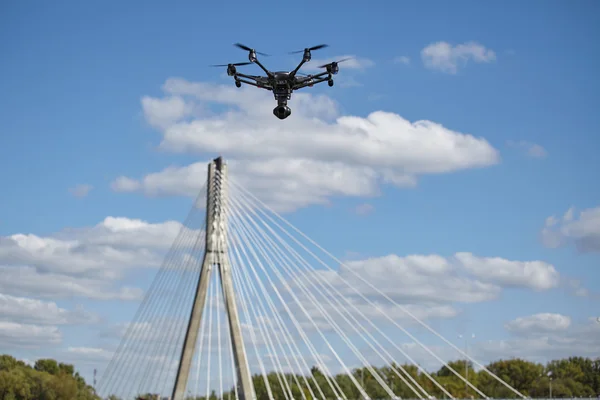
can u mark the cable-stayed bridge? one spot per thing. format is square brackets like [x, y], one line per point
[246, 306]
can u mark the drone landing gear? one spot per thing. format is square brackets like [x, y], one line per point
[239, 84]
[282, 111]
[330, 82]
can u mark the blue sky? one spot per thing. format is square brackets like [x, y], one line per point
[74, 75]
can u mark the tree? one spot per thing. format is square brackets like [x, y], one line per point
[571, 377]
[47, 380]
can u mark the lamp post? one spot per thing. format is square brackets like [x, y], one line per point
[467, 361]
[550, 383]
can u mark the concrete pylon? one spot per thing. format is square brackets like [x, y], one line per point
[215, 255]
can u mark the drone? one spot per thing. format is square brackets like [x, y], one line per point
[282, 83]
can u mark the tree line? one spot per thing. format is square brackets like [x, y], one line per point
[564, 378]
[46, 380]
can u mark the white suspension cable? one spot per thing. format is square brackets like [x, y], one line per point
[270, 345]
[323, 365]
[232, 362]
[371, 286]
[276, 329]
[315, 354]
[288, 335]
[261, 321]
[324, 290]
[265, 337]
[330, 320]
[355, 325]
[237, 265]
[124, 367]
[243, 235]
[296, 354]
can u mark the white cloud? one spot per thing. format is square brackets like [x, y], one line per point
[539, 324]
[72, 257]
[352, 62]
[444, 57]
[28, 281]
[432, 279]
[347, 82]
[582, 230]
[545, 341]
[575, 286]
[284, 184]
[163, 112]
[364, 209]
[81, 190]
[13, 334]
[90, 353]
[404, 60]
[581, 338]
[32, 311]
[531, 149]
[375, 97]
[310, 157]
[87, 262]
[536, 275]
[100, 251]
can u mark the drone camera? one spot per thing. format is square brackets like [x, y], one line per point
[282, 112]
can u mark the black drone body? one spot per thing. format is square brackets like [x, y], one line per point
[282, 83]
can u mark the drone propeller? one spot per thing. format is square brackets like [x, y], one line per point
[235, 65]
[310, 49]
[334, 62]
[244, 47]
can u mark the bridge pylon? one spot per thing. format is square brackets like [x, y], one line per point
[215, 256]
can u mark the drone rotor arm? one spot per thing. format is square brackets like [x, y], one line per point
[321, 75]
[310, 82]
[256, 84]
[253, 77]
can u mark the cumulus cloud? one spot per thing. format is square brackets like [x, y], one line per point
[33, 311]
[533, 150]
[544, 337]
[312, 156]
[364, 209]
[89, 261]
[100, 251]
[432, 278]
[283, 183]
[81, 190]
[542, 342]
[404, 60]
[13, 334]
[536, 275]
[351, 62]
[582, 230]
[28, 281]
[539, 324]
[447, 58]
[93, 353]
